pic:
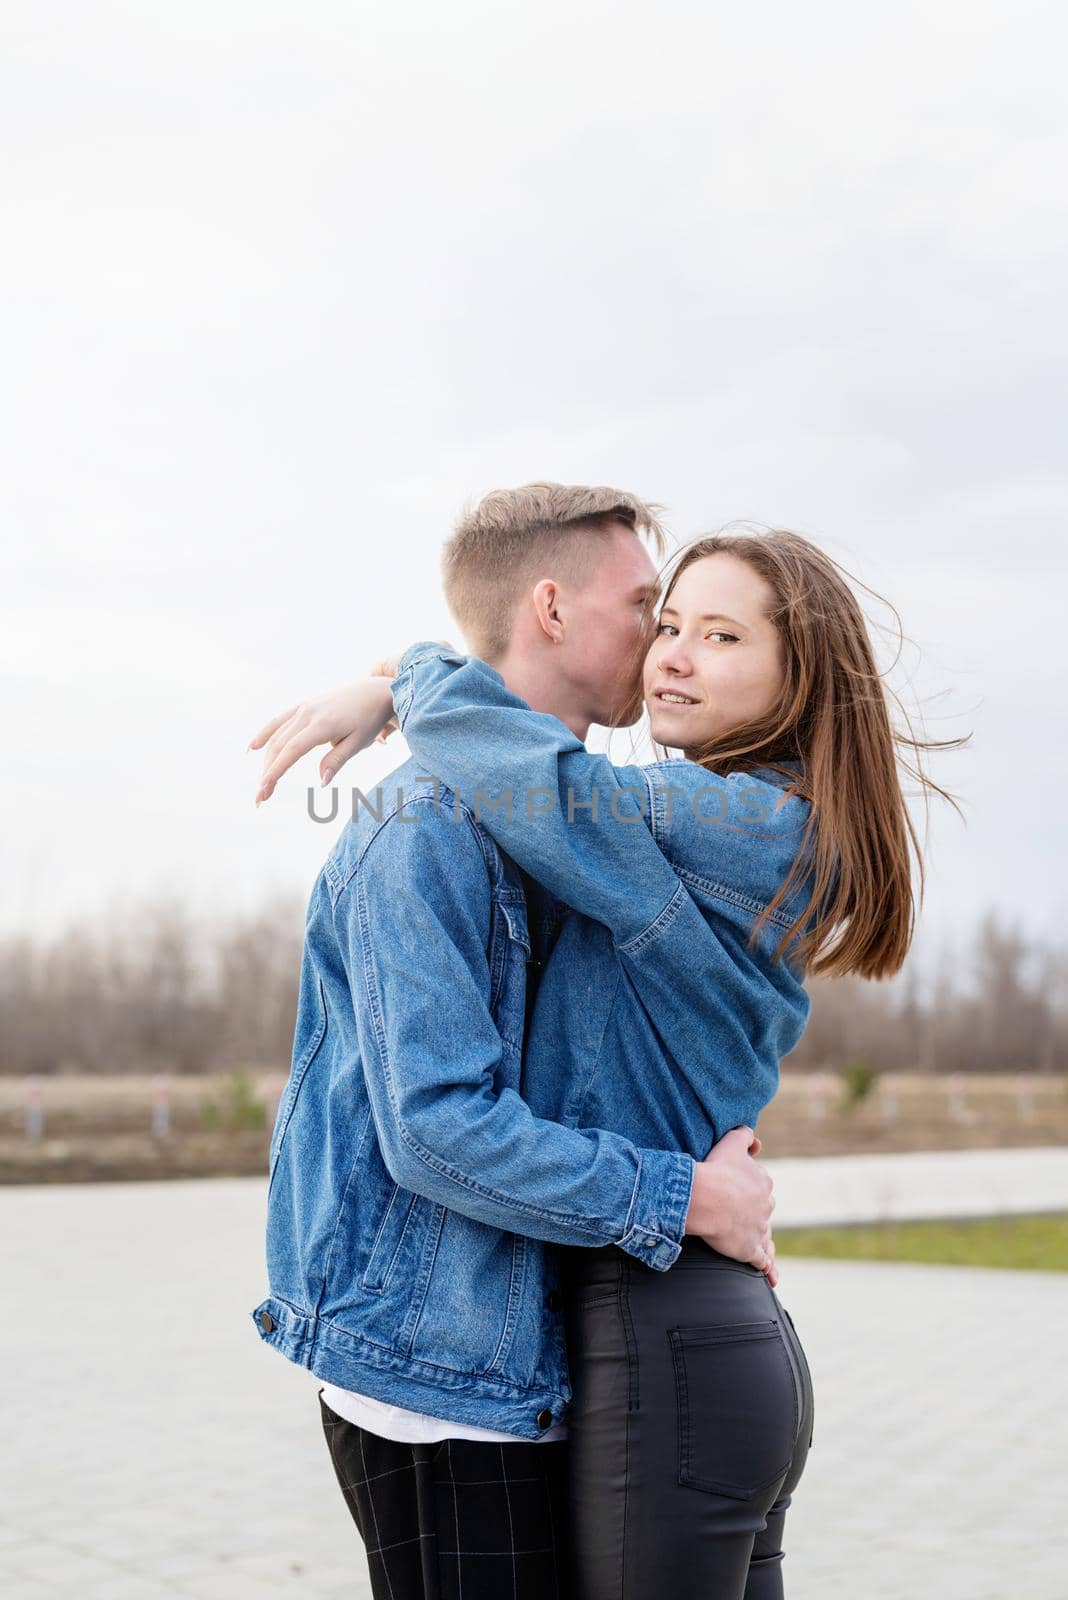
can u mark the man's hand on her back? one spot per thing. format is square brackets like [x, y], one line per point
[732, 1202]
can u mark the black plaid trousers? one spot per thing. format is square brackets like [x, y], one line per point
[462, 1519]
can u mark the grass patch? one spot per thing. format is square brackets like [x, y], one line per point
[1037, 1243]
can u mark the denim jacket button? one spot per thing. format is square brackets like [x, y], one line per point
[544, 1418]
[266, 1322]
[648, 1243]
[554, 1299]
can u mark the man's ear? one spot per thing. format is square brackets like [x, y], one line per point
[546, 599]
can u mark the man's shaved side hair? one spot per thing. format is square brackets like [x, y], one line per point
[512, 538]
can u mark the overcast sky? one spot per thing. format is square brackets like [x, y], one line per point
[283, 285]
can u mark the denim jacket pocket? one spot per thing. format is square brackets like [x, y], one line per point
[390, 1237]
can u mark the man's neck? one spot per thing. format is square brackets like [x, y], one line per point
[541, 693]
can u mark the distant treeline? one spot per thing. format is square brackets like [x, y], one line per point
[165, 992]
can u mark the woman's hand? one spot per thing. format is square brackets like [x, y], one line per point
[348, 720]
[770, 1270]
[731, 1202]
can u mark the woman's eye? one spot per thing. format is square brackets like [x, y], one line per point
[715, 634]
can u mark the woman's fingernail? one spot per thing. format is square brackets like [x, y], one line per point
[327, 775]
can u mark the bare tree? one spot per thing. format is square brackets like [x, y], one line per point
[157, 989]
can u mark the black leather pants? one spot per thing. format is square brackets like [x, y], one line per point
[690, 1425]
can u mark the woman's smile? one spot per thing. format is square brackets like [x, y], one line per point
[674, 698]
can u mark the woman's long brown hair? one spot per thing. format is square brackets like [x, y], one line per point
[833, 718]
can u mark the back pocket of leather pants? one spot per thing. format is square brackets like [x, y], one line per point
[736, 1406]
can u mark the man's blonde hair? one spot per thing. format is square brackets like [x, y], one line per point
[514, 537]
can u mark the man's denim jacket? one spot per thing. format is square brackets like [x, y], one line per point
[402, 1150]
[413, 1198]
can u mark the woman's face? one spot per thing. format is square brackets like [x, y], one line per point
[715, 648]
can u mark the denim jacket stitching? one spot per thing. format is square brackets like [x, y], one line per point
[421, 1286]
[341, 1208]
[658, 926]
[657, 825]
[723, 891]
[516, 1280]
[287, 1105]
[418, 1363]
[629, 1224]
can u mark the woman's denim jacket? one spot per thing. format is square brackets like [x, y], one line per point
[413, 1195]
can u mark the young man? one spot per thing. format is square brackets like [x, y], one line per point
[413, 1196]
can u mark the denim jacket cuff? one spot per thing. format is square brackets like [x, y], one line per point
[656, 1221]
[403, 685]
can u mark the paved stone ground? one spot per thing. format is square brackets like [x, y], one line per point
[155, 1448]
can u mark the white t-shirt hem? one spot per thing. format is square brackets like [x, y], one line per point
[416, 1427]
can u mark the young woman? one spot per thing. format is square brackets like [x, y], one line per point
[776, 847]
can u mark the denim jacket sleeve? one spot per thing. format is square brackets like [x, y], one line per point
[569, 817]
[413, 927]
